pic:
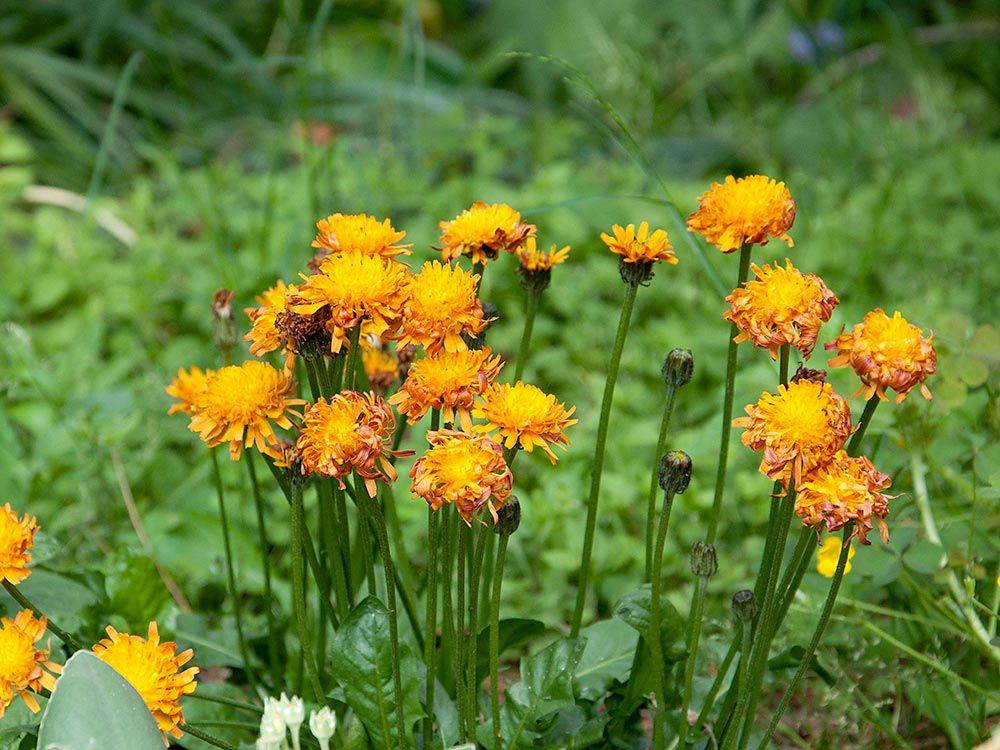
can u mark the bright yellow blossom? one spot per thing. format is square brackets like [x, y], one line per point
[186, 387]
[640, 246]
[440, 305]
[828, 556]
[533, 259]
[24, 669]
[843, 490]
[265, 336]
[747, 211]
[524, 415]
[359, 233]
[17, 536]
[483, 231]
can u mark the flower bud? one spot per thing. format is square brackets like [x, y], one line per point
[675, 472]
[508, 517]
[678, 368]
[293, 711]
[703, 560]
[535, 280]
[323, 724]
[636, 274]
[745, 605]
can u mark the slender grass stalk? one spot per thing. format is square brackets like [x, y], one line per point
[598, 463]
[656, 621]
[654, 479]
[67, 638]
[482, 533]
[230, 575]
[299, 590]
[790, 582]
[746, 648]
[495, 641]
[204, 736]
[265, 559]
[529, 323]
[430, 621]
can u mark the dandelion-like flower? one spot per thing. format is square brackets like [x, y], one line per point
[842, 490]
[350, 432]
[640, 246]
[154, 670]
[238, 405]
[483, 231]
[187, 387]
[467, 471]
[782, 306]
[265, 335]
[886, 353]
[747, 211]
[440, 306]
[352, 287]
[359, 233]
[798, 428]
[524, 415]
[381, 366]
[828, 556]
[449, 381]
[535, 268]
[17, 535]
[24, 669]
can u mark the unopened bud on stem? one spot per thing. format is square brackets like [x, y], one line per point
[508, 517]
[678, 368]
[745, 605]
[675, 472]
[703, 560]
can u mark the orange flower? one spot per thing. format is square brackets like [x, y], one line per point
[482, 232]
[239, 403]
[467, 471]
[440, 306]
[359, 233]
[186, 387]
[747, 211]
[533, 259]
[886, 353]
[381, 366]
[22, 666]
[353, 287]
[17, 536]
[153, 669]
[524, 415]
[782, 306]
[641, 246]
[449, 381]
[798, 428]
[265, 335]
[350, 432]
[842, 490]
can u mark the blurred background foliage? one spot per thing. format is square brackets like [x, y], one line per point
[195, 142]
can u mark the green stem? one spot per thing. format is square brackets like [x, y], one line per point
[694, 634]
[597, 467]
[790, 582]
[265, 559]
[353, 354]
[866, 417]
[495, 641]
[230, 575]
[656, 619]
[746, 649]
[529, 324]
[430, 622]
[210, 739]
[654, 480]
[727, 408]
[783, 356]
[482, 534]
[299, 589]
[448, 529]
[713, 691]
[806, 660]
[342, 521]
[460, 692]
[222, 701]
[329, 521]
[314, 385]
[59, 633]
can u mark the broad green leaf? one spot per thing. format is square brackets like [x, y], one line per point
[61, 598]
[135, 590]
[574, 729]
[634, 609]
[606, 657]
[362, 664]
[94, 708]
[514, 632]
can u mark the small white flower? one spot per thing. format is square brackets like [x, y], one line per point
[272, 728]
[323, 724]
[293, 711]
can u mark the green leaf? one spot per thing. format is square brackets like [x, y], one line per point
[135, 590]
[514, 632]
[606, 657]
[634, 609]
[94, 708]
[574, 729]
[362, 664]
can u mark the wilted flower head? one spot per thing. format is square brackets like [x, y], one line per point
[483, 231]
[359, 233]
[153, 669]
[886, 353]
[782, 306]
[265, 336]
[238, 405]
[828, 556]
[747, 211]
[467, 471]
[842, 490]
[17, 536]
[186, 387]
[801, 426]
[24, 669]
[449, 381]
[524, 415]
[640, 246]
[350, 432]
[440, 305]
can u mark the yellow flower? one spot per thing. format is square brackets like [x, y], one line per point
[781, 306]
[239, 403]
[17, 535]
[350, 432]
[353, 287]
[482, 232]
[524, 415]
[186, 387]
[641, 246]
[467, 471]
[381, 366]
[265, 335]
[533, 259]
[747, 211]
[359, 233]
[842, 490]
[828, 555]
[449, 381]
[886, 353]
[440, 306]
[801, 426]
[22, 666]
[153, 669]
